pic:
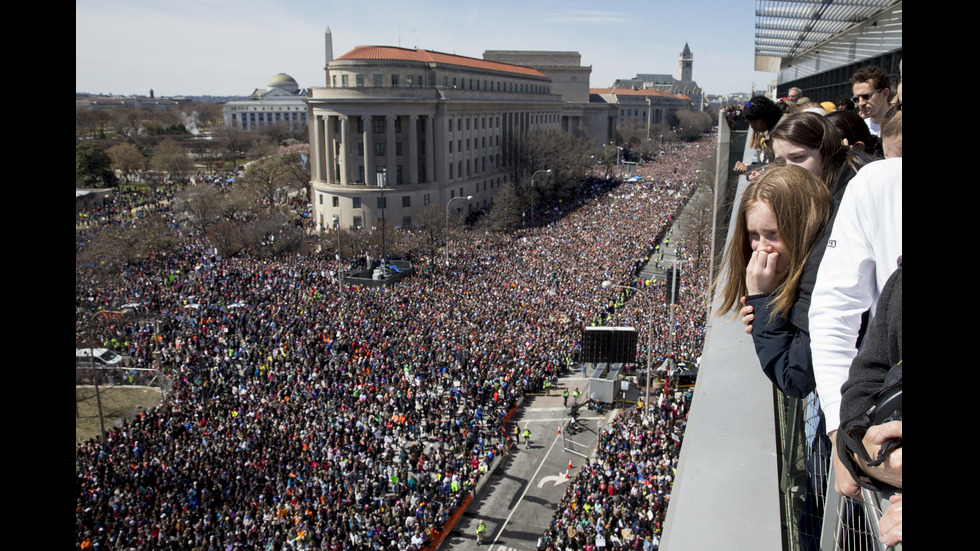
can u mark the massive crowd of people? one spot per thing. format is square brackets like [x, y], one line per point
[310, 414]
[619, 499]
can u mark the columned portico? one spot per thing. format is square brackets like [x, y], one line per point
[435, 141]
[413, 150]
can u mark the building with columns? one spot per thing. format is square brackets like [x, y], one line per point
[569, 79]
[282, 100]
[429, 126]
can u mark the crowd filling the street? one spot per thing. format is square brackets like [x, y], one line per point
[309, 413]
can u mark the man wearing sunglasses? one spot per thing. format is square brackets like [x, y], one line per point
[871, 94]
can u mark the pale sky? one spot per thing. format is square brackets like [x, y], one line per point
[219, 47]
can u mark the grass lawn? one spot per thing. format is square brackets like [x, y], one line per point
[118, 403]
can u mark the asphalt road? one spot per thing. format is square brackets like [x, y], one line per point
[519, 500]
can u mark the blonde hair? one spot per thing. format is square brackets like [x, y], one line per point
[801, 205]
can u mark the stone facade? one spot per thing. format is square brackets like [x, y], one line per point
[281, 100]
[431, 126]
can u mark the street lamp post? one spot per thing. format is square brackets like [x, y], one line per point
[340, 283]
[548, 171]
[673, 301]
[646, 402]
[468, 197]
[383, 184]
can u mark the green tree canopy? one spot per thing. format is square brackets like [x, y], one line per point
[93, 166]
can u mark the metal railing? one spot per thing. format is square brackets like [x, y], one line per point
[815, 517]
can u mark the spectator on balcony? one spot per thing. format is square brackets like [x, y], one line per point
[859, 442]
[855, 133]
[862, 252]
[762, 115]
[780, 217]
[872, 94]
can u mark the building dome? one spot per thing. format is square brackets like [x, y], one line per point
[285, 83]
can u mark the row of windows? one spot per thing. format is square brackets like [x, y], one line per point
[382, 201]
[269, 117]
[483, 140]
[471, 163]
[480, 122]
[358, 222]
[455, 82]
[476, 188]
[263, 108]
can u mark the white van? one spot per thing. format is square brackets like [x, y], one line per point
[103, 357]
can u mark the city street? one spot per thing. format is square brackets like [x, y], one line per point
[520, 498]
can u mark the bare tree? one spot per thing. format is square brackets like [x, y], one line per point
[171, 157]
[126, 159]
[272, 178]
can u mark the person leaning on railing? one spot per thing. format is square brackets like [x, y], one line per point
[872, 453]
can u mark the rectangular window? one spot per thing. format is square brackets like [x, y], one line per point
[398, 148]
[359, 80]
[398, 175]
[398, 124]
[379, 80]
[450, 171]
[321, 198]
[379, 149]
[379, 125]
[452, 194]
[409, 80]
[343, 81]
[336, 201]
[394, 81]
[382, 202]
[357, 222]
[356, 202]
[406, 201]
[450, 125]
[450, 146]
[360, 148]
[360, 125]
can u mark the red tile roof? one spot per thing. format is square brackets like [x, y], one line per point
[427, 56]
[632, 92]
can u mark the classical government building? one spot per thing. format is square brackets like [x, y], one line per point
[282, 100]
[396, 131]
[428, 126]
